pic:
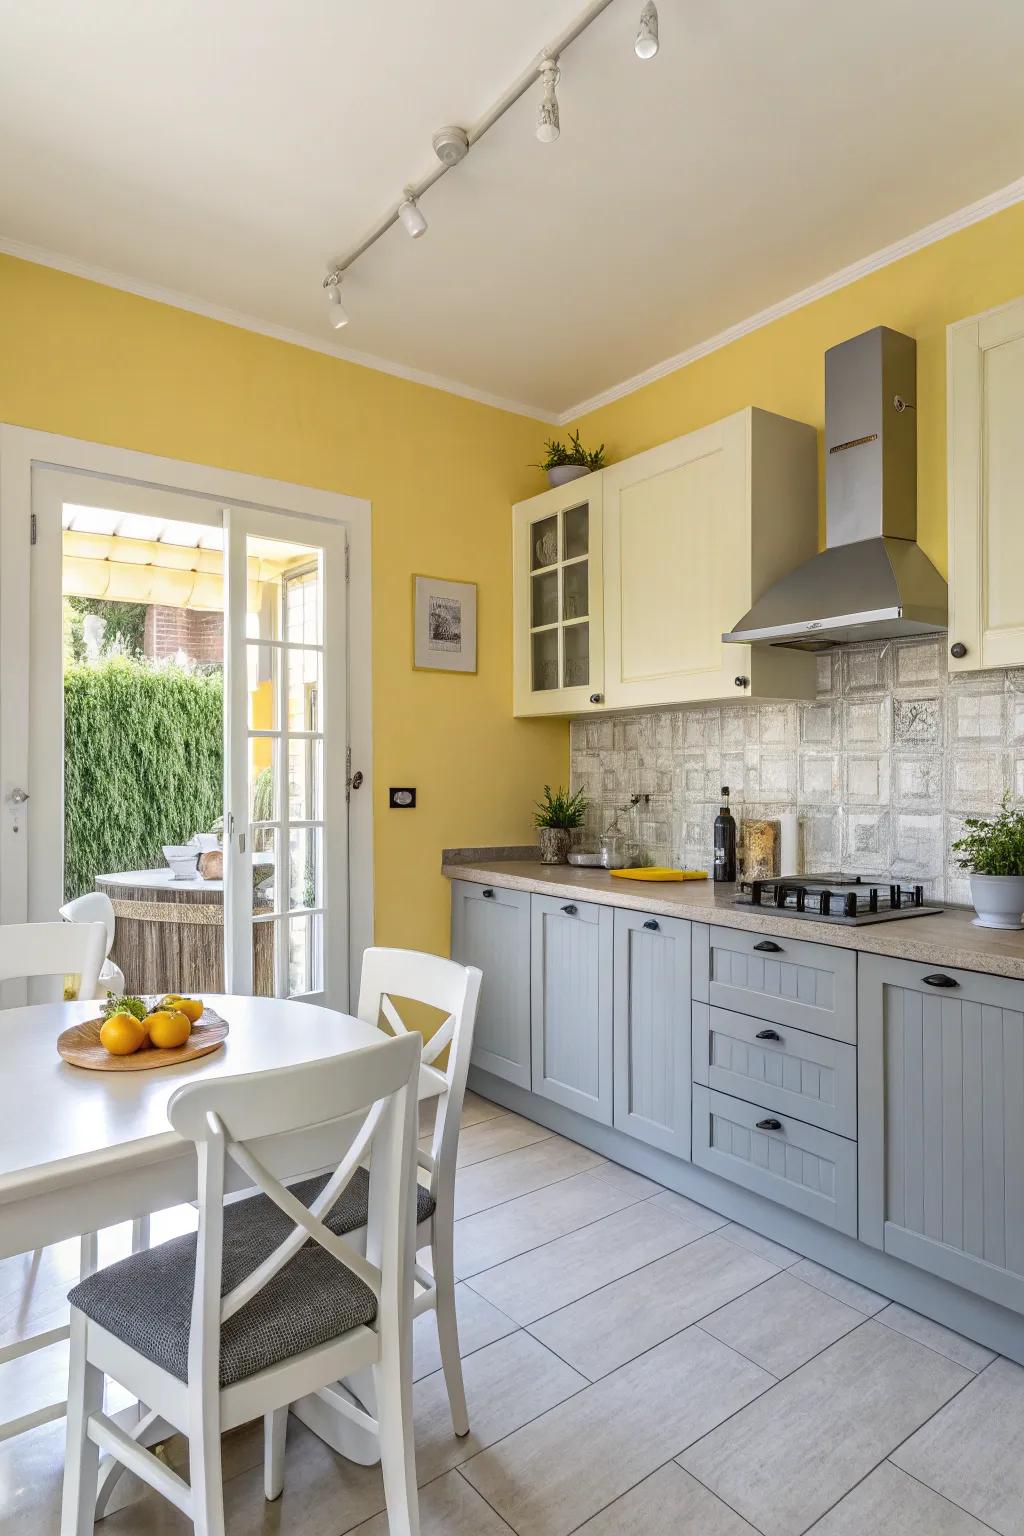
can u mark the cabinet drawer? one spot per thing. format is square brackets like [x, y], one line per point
[810, 1170]
[786, 1069]
[786, 981]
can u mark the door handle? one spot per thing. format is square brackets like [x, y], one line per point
[571, 910]
[769, 1125]
[937, 979]
[651, 924]
[488, 895]
[767, 1034]
[769, 946]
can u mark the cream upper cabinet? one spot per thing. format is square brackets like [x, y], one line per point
[986, 489]
[558, 645]
[694, 531]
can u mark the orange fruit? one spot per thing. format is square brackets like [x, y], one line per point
[191, 1007]
[168, 1028]
[121, 1034]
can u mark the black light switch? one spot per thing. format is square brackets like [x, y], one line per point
[402, 799]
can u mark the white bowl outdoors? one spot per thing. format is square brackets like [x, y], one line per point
[183, 860]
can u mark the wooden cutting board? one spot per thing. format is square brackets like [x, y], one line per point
[80, 1047]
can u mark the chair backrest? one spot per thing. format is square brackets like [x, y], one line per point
[53, 949]
[241, 1117]
[455, 990]
[93, 907]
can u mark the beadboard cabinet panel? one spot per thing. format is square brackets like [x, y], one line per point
[491, 929]
[652, 1030]
[787, 981]
[571, 1014]
[942, 1123]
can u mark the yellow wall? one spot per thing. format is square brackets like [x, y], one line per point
[92, 362]
[781, 368]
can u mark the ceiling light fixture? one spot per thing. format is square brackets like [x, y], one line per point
[409, 213]
[646, 45]
[548, 127]
[336, 311]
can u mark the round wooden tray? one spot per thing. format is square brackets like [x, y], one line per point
[80, 1045]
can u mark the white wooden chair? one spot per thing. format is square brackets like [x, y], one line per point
[97, 907]
[216, 1328]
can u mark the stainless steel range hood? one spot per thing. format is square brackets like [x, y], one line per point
[873, 581]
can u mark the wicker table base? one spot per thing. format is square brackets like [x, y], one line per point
[173, 940]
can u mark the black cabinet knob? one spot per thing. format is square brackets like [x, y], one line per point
[958, 649]
[651, 924]
[570, 909]
[937, 979]
[741, 681]
[769, 947]
[767, 1034]
[769, 1125]
[596, 698]
[489, 893]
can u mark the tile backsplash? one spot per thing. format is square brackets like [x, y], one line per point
[881, 769]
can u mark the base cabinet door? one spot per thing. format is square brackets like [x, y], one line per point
[941, 1122]
[491, 929]
[652, 1030]
[571, 987]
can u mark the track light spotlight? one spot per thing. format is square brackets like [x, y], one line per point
[410, 215]
[548, 127]
[336, 311]
[646, 45]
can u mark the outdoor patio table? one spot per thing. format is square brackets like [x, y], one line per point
[170, 933]
[82, 1150]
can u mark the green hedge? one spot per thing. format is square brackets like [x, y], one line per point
[143, 764]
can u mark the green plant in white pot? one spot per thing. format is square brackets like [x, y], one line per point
[558, 818]
[993, 854]
[564, 462]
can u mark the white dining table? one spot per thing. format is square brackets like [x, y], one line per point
[81, 1150]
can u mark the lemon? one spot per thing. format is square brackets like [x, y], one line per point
[168, 1028]
[191, 1007]
[121, 1034]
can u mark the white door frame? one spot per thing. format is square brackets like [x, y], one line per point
[23, 447]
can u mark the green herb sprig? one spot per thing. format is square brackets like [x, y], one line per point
[993, 847]
[560, 809]
[132, 1005]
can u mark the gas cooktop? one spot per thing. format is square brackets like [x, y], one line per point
[836, 898]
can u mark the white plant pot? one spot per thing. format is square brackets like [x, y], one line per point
[566, 472]
[998, 900]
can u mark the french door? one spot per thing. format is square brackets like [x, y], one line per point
[278, 579]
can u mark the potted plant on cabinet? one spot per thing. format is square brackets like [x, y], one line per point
[993, 854]
[563, 463]
[558, 816]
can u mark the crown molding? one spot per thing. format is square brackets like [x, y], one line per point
[974, 213]
[74, 268]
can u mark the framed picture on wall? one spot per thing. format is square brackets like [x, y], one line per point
[444, 624]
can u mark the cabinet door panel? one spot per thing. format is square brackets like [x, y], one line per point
[942, 1123]
[571, 986]
[491, 929]
[652, 1030]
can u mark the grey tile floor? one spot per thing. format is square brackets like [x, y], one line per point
[634, 1364]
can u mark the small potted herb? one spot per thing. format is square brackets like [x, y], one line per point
[564, 463]
[993, 853]
[558, 816]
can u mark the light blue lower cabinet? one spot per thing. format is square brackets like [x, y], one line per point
[941, 1109]
[491, 929]
[571, 1004]
[810, 1170]
[652, 1030]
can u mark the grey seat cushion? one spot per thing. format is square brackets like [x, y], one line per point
[349, 1213]
[146, 1300]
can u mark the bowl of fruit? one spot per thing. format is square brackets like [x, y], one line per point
[135, 1034]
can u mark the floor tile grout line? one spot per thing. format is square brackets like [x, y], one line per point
[886, 1300]
[493, 1157]
[526, 1193]
[485, 1500]
[878, 1318]
[922, 1484]
[629, 1205]
[754, 1527]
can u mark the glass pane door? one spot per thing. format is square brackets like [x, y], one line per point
[560, 599]
[286, 839]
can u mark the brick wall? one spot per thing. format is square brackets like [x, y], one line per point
[169, 630]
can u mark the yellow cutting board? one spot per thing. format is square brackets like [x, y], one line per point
[655, 873]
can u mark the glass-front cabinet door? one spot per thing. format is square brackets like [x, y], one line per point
[559, 637]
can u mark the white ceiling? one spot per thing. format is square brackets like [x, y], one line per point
[228, 151]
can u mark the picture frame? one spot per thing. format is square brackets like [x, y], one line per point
[443, 624]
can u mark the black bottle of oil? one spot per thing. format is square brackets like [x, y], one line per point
[725, 841]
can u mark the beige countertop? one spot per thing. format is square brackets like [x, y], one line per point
[948, 939]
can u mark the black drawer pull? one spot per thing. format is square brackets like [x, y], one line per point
[571, 910]
[769, 1125]
[651, 924]
[489, 893]
[938, 980]
[769, 947]
[767, 1034]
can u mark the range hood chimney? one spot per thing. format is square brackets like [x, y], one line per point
[872, 581]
